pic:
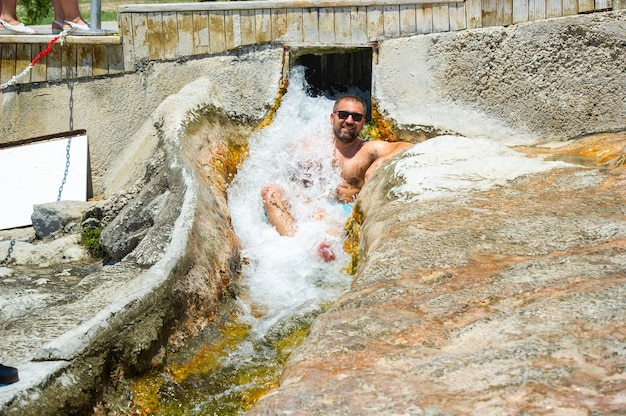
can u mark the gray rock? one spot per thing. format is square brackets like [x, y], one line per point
[58, 217]
[129, 228]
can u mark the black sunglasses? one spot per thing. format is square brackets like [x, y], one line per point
[345, 114]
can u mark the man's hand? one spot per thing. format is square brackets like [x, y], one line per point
[325, 251]
[346, 193]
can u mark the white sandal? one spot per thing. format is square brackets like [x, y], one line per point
[21, 29]
[78, 29]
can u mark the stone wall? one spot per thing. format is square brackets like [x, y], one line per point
[555, 79]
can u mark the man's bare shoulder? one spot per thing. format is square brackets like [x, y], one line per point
[382, 147]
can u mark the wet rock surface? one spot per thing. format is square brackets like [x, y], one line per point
[509, 300]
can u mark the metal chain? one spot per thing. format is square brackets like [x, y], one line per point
[6, 259]
[67, 168]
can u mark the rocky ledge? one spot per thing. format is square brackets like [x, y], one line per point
[503, 297]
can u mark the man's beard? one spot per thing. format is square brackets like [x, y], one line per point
[344, 137]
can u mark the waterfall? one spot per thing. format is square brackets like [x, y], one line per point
[296, 153]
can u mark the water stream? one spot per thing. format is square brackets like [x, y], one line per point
[284, 284]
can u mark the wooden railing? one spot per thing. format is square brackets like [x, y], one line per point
[162, 32]
[172, 31]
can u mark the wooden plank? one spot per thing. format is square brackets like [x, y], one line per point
[458, 20]
[619, 4]
[263, 25]
[391, 21]
[474, 13]
[217, 39]
[140, 40]
[343, 25]
[279, 23]
[258, 4]
[232, 29]
[154, 36]
[84, 61]
[115, 54]
[505, 12]
[53, 66]
[520, 10]
[358, 24]
[586, 6]
[7, 61]
[441, 18]
[185, 44]
[310, 22]
[170, 35]
[603, 4]
[22, 61]
[294, 25]
[68, 61]
[408, 23]
[537, 10]
[248, 27]
[200, 33]
[38, 72]
[570, 7]
[127, 35]
[554, 8]
[489, 13]
[100, 60]
[326, 25]
[375, 23]
[424, 18]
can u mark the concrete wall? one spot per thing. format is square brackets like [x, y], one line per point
[112, 109]
[555, 79]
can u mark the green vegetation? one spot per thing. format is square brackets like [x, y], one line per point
[90, 239]
[39, 12]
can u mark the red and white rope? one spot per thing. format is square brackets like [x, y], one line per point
[30, 66]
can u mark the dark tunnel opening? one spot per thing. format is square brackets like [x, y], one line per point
[337, 73]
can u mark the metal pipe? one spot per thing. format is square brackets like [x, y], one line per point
[95, 19]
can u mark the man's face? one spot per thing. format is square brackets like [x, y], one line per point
[345, 127]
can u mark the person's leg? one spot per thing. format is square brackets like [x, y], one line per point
[71, 12]
[277, 210]
[59, 16]
[8, 19]
[8, 13]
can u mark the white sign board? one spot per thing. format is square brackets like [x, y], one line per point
[33, 173]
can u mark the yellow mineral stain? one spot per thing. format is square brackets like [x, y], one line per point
[608, 149]
[146, 388]
[351, 242]
[379, 128]
[282, 89]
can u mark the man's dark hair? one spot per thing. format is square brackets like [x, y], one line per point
[351, 98]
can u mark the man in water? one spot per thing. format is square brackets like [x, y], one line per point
[356, 158]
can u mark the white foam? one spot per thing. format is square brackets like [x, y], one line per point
[284, 272]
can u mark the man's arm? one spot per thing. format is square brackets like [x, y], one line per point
[383, 152]
[346, 193]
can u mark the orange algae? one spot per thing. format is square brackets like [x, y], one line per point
[379, 128]
[351, 242]
[282, 90]
[227, 161]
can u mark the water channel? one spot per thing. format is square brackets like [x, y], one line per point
[284, 284]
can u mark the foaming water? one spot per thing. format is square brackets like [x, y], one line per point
[295, 152]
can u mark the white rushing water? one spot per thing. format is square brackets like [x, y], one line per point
[283, 273]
